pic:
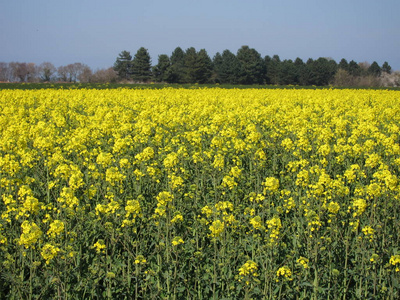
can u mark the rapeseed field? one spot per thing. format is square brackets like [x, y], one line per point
[199, 194]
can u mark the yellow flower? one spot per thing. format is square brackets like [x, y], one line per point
[359, 205]
[140, 260]
[207, 211]
[178, 218]
[333, 207]
[219, 162]
[229, 182]
[30, 234]
[113, 176]
[274, 225]
[256, 222]
[104, 159]
[99, 246]
[132, 208]
[224, 206]
[395, 261]
[56, 228]
[145, 155]
[285, 273]
[303, 262]
[164, 197]
[271, 184]
[171, 160]
[216, 228]
[248, 269]
[235, 172]
[177, 241]
[49, 252]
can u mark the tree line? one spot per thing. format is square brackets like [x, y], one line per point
[247, 66]
[47, 72]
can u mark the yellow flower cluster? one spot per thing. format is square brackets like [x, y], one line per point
[285, 273]
[99, 246]
[177, 241]
[248, 270]
[30, 234]
[49, 252]
[140, 260]
[302, 261]
[56, 228]
[395, 261]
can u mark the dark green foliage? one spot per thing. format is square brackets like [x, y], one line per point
[354, 69]
[190, 63]
[374, 69]
[288, 74]
[227, 67]
[246, 67]
[204, 67]
[273, 69]
[343, 64]
[177, 69]
[161, 70]
[252, 66]
[217, 63]
[141, 65]
[299, 67]
[386, 68]
[123, 65]
[322, 71]
[198, 66]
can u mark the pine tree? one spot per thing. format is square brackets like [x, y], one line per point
[141, 65]
[374, 69]
[273, 69]
[230, 68]
[161, 70]
[354, 69]
[123, 65]
[176, 72]
[386, 68]
[343, 64]
[204, 67]
[253, 68]
[299, 68]
[190, 63]
[287, 72]
[217, 63]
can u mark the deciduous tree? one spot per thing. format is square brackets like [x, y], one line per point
[47, 71]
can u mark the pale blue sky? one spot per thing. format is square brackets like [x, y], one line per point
[94, 32]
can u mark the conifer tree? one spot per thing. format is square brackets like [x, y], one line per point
[141, 65]
[252, 65]
[177, 70]
[161, 70]
[229, 70]
[123, 65]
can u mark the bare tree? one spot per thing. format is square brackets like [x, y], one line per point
[62, 73]
[32, 72]
[105, 75]
[19, 71]
[5, 72]
[46, 71]
[85, 75]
